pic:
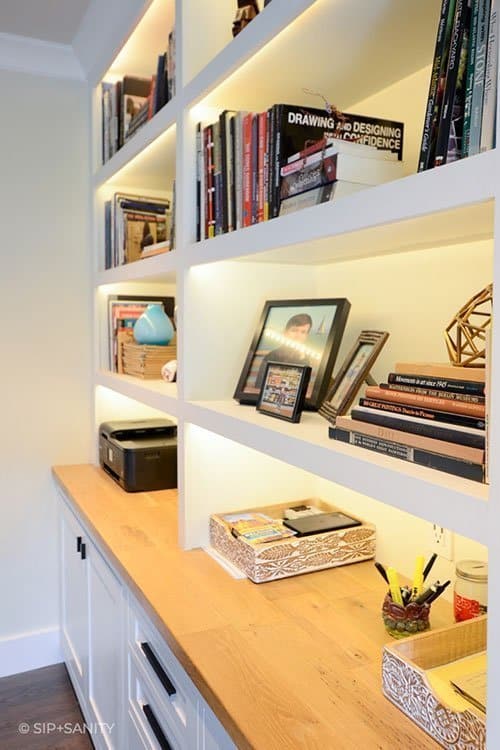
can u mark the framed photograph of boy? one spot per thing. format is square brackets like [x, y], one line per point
[298, 332]
[354, 371]
[283, 391]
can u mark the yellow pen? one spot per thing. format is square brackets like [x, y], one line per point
[418, 576]
[394, 586]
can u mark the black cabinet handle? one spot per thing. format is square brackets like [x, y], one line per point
[83, 550]
[158, 669]
[157, 730]
[78, 543]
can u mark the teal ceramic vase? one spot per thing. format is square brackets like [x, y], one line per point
[154, 327]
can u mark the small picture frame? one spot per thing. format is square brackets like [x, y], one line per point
[283, 391]
[354, 371]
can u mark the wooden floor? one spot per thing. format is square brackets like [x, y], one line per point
[42, 704]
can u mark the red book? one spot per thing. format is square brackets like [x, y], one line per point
[247, 170]
[260, 165]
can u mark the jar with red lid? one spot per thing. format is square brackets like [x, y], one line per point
[471, 590]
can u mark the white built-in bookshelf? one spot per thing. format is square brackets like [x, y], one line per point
[406, 254]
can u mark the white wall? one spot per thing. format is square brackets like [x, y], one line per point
[44, 371]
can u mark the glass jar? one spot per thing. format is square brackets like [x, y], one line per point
[470, 597]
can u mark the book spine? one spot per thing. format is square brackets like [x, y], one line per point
[488, 124]
[441, 85]
[438, 370]
[232, 173]
[113, 128]
[479, 75]
[238, 167]
[159, 81]
[414, 399]
[198, 181]
[428, 429]
[439, 384]
[412, 440]
[209, 157]
[272, 155]
[423, 413]
[469, 78]
[255, 166]
[260, 164]
[247, 170]
[218, 188]
[423, 162]
[266, 165]
[444, 395]
[106, 114]
[278, 146]
[107, 235]
[451, 82]
[448, 464]
[224, 170]
[455, 138]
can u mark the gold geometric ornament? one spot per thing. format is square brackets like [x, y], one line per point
[466, 334]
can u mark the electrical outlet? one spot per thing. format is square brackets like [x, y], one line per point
[442, 541]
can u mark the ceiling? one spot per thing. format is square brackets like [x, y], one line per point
[50, 20]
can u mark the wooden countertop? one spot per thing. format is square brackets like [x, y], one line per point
[285, 665]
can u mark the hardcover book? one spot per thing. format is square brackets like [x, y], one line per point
[135, 92]
[295, 127]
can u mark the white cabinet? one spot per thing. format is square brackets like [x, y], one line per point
[92, 631]
[128, 681]
[74, 601]
[106, 640]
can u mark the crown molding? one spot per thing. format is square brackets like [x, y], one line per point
[102, 32]
[27, 55]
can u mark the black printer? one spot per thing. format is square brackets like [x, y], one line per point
[141, 455]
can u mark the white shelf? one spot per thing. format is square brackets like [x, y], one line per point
[157, 394]
[136, 147]
[442, 206]
[265, 27]
[270, 60]
[158, 268]
[455, 503]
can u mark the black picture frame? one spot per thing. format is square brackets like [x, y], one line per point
[354, 371]
[289, 401]
[320, 376]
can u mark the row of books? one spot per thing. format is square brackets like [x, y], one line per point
[460, 117]
[253, 167]
[123, 311]
[128, 104]
[431, 415]
[136, 227]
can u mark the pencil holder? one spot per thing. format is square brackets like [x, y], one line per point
[401, 622]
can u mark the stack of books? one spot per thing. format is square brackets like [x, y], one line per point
[429, 414]
[460, 117]
[128, 104]
[254, 167]
[136, 227]
[145, 361]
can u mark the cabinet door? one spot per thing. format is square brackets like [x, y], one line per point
[106, 651]
[213, 734]
[74, 602]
